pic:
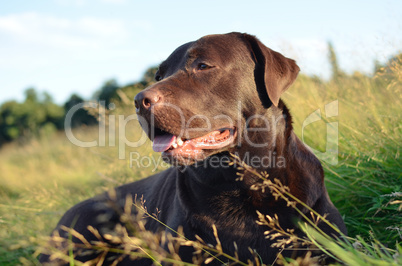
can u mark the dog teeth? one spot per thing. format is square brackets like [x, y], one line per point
[179, 141]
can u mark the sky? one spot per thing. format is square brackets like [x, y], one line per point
[74, 46]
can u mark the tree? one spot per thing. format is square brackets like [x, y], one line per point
[333, 60]
[81, 116]
[29, 118]
[149, 76]
[8, 127]
[107, 92]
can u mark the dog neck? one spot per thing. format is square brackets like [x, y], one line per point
[276, 151]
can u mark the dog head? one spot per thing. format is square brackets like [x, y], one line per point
[206, 92]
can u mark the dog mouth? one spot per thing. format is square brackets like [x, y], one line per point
[172, 145]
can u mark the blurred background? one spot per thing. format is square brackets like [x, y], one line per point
[74, 46]
[55, 54]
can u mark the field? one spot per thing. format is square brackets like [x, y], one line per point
[41, 179]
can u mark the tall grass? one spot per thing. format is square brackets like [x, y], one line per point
[42, 179]
[366, 183]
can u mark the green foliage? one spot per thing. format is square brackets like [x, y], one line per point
[336, 72]
[26, 119]
[365, 185]
[107, 92]
[39, 116]
[81, 116]
[149, 76]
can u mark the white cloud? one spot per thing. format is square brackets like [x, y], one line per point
[80, 3]
[53, 31]
[71, 2]
[309, 53]
[115, 1]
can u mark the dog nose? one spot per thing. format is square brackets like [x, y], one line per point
[145, 99]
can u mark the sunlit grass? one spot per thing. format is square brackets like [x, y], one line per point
[40, 180]
[369, 169]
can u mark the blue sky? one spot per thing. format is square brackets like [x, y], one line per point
[74, 46]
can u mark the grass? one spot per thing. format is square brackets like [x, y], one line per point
[369, 168]
[40, 180]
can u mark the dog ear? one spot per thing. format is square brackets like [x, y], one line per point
[279, 72]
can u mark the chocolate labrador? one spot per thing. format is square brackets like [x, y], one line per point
[214, 109]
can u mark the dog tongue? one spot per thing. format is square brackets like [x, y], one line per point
[163, 142]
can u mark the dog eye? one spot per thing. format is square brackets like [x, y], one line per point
[202, 66]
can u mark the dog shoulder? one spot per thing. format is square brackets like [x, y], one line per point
[91, 212]
[149, 186]
[104, 210]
